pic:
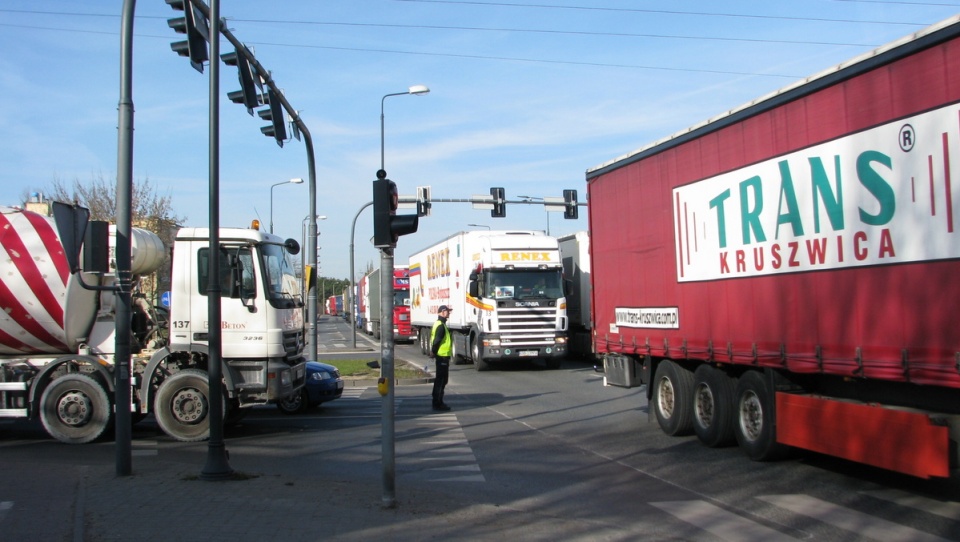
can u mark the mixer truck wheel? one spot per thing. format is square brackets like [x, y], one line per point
[755, 425]
[713, 406]
[182, 407]
[75, 409]
[672, 399]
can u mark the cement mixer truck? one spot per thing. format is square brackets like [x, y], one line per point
[57, 338]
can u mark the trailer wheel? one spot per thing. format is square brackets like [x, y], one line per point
[182, 407]
[75, 409]
[673, 398]
[713, 406]
[755, 428]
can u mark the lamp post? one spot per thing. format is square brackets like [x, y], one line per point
[387, 439]
[416, 90]
[291, 181]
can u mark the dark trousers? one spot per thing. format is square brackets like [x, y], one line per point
[440, 379]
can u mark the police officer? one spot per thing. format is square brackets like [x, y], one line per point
[441, 347]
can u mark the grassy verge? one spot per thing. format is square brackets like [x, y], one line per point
[358, 368]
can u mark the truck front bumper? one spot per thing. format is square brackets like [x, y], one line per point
[494, 350]
[283, 380]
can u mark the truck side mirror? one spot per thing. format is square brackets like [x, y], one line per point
[567, 287]
[474, 288]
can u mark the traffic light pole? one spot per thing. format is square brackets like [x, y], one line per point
[241, 49]
[387, 436]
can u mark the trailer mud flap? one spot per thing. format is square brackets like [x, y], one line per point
[898, 440]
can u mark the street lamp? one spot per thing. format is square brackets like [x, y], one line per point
[291, 181]
[416, 90]
[479, 226]
[388, 437]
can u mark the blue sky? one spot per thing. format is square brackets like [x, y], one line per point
[525, 94]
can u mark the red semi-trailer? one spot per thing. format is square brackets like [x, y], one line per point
[784, 275]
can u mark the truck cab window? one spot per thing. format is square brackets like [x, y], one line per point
[232, 276]
[522, 284]
[282, 286]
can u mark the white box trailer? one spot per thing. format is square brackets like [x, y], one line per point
[506, 292]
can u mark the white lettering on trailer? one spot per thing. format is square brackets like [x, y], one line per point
[859, 200]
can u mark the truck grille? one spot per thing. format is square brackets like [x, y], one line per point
[293, 342]
[527, 326]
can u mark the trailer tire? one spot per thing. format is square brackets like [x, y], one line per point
[182, 407]
[75, 409]
[673, 398]
[713, 406]
[755, 415]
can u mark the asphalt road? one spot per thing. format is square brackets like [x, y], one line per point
[552, 442]
[592, 449]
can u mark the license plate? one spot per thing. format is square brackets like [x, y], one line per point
[528, 353]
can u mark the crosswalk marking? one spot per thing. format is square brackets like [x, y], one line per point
[949, 510]
[720, 522]
[352, 393]
[5, 506]
[851, 520]
[436, 449]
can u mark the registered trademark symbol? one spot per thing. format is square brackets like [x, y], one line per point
[907, 138]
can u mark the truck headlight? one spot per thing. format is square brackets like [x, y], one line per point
[491, 342]
[560, 340]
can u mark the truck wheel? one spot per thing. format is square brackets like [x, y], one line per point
[475, 353]
[673, 398]
[182, 407]
[376, 331]
[755, 419]
[713, 406]
[75, 409]
[295, 404]
[424, 341]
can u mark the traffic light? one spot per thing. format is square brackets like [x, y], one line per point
[194, 25]
[388, 226]
[250, 85]
[570, 201]
[499, 202]
[274, 114]
[423, 201]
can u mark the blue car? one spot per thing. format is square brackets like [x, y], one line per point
[323, 384]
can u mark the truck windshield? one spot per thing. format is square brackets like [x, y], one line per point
[280, 280]
[522, 284]
[401, 298]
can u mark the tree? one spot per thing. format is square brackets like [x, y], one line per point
[149, 211]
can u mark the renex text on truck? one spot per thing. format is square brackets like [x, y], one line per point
[506, 292]
[57, 342]
[784, 275]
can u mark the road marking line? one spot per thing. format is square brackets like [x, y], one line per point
[949, 510]
[720, 522]
[850, 520]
